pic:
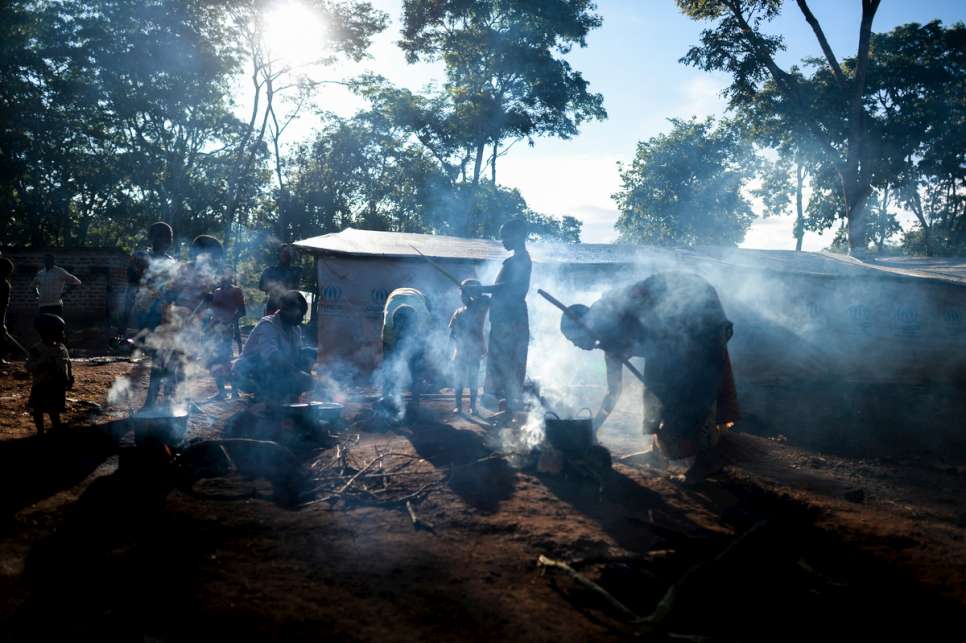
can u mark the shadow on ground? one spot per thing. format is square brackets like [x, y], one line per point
[37, 467]
[478, 478]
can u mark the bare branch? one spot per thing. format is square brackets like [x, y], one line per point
[822, 41]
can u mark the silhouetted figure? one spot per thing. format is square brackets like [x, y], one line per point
[157, 292]
[227, 307]
[50, 284]
[50, 370]
[136, 267]
[506, 364]
[278, 279]
[405, 326]
[273, 364]
[469, 347]
[156, 277]
[675, 321]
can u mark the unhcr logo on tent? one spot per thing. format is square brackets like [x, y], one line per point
[908, 321]
[861, 318]
[953, 323]
[330, 301]
[377, 302]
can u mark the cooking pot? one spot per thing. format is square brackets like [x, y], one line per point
[328, 412]
[164, 424]
[570, 435]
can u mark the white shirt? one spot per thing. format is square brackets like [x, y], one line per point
[270, 344]
[50, 284]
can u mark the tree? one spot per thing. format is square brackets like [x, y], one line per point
[917, 78]
[829, 107]
[506, 79]
[370, 172]
[350, 28]
[362, 172]
[684, 188]
[135, 119]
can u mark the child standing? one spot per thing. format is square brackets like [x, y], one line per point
[227, 307]
[49, 364]
[466, 331]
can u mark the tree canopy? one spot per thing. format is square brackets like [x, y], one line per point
[117, 113]
[505, 74]
[826, 109]
[684, 188]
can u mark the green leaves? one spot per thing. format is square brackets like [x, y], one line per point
[505, 76]
[684, 188]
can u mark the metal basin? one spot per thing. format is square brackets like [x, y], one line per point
[164, 425]
[327, 412]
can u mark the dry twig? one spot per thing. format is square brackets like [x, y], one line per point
[418, 523]
[544, 562]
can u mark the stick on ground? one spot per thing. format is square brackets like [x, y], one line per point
[545, 563]
[418, 522]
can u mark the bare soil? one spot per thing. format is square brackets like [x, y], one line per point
[802, 545]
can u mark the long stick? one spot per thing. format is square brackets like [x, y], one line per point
[442, 270]
[13, 340]
[566, 311]
[544, 562]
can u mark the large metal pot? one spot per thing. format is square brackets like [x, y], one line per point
[316, 412]
[576, 435]
[163, 424]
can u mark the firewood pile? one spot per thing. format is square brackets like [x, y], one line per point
[379, 474]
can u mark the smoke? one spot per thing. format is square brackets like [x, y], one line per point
[169, 306]
[120, 392]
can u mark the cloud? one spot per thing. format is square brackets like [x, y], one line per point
[775, 233]
[701, 97]
[598, 223]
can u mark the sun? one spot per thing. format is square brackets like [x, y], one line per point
[294, 33]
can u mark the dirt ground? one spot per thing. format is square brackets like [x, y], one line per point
[784, 544]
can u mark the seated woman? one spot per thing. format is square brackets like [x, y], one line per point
[273, 364]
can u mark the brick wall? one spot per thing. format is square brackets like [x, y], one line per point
[103, 272]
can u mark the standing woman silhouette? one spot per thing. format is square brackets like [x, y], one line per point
[506, 364]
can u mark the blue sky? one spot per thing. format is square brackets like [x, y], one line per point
[633, 61]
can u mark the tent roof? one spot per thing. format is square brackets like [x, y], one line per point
[352, 242]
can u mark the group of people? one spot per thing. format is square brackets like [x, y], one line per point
[182, 312]
[192, 312]
[674, 320]
[406, 332]
[48, 360]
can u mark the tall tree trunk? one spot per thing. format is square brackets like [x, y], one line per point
[244, 158]
[856, 185]
[926, 228]
[478, 164]
[882, 219]
[496, 148]
[799, 210]
[855, 209]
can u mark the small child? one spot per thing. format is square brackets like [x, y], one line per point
[227, 307]
[49, 364]
[466, 331]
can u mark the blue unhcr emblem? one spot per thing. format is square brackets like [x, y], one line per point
[378, 296]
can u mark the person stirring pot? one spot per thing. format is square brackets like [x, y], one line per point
[506, 364]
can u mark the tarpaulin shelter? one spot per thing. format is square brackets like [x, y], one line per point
[822, 342]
